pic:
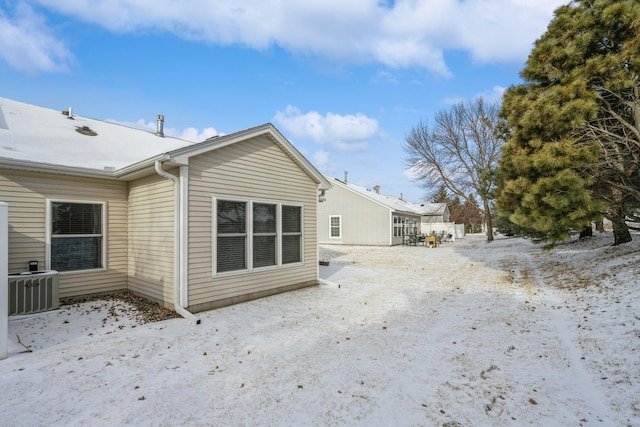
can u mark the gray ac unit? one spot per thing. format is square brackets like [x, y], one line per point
[33, 292]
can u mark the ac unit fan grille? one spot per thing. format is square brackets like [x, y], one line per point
[33, 293]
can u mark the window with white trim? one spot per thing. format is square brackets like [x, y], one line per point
[398, 226]
[291, 234]
[256, 234]
[265, 235]
[335, 226]
[231, 242]
[76, 235]
[403, 225]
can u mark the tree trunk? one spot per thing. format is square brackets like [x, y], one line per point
[621, 232]
[586, 231]
[600, 226]
[488, 220]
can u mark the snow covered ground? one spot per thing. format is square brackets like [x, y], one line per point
[467, 334]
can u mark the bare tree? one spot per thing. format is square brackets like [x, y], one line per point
[459, 153]
[615, 131]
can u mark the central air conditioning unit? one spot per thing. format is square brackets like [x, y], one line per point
[33, 292]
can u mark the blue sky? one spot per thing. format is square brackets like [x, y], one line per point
[344, 81]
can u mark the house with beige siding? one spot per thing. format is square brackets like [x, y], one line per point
[355, 215]
[193, 226]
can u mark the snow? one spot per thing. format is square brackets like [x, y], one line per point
[391, 201]
[469, 333]
[37, 134]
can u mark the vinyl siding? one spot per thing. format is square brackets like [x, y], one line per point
[254, 169]
[27, 194]
[364, 222]
[150, 260]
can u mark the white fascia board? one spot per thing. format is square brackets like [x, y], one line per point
[146, 164]
[26, 165]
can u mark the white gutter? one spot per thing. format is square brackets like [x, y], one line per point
[28, 165]
[178, 280]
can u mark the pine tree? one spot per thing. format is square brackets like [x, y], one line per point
[552, 174]
[454, 206]
[441, 195]
[469, 214]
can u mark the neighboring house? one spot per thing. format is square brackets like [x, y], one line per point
[431, 213]
[193, 226]
[354, 215]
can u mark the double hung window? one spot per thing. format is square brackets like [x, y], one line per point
[232, 235]
[335, 226]
[265, 235]
[76, 236]
[291, 234]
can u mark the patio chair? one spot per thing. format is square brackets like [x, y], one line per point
[409, 240]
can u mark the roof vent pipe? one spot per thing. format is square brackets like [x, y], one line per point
[345, 176]
[160, 131]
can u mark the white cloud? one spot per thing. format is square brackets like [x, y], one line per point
[26, 44]
[412, 174]
[188, 134]
[342, 132]
[490, 95]
[453, 100]
[321, 159]
[385, 76]
[501, 30]
[493, 95]
[192, 134]
[400, 34]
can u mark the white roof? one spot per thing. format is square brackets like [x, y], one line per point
[36, 134]
[45, 139]
[392, 202]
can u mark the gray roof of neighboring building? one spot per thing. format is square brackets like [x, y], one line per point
[394, 203]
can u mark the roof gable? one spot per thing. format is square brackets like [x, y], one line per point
[391, 202]
[182, 155]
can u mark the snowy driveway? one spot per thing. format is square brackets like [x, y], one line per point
[468, 334]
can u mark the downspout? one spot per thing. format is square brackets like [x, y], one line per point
[177, 238]
[321, 199]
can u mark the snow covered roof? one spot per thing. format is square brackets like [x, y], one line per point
[31, 133]
[392, 202]
[431, 208]
[44, 139]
